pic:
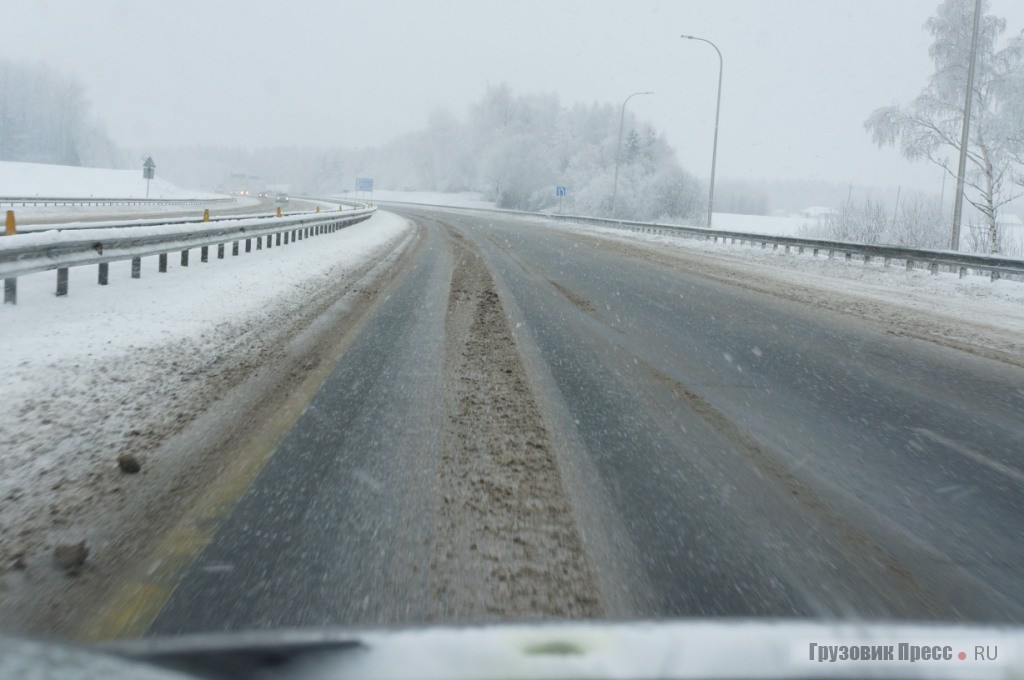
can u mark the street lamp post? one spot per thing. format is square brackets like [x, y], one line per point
[618, 149]
[718, 108]
[954, 243]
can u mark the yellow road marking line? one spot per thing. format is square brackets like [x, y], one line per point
[135, 605]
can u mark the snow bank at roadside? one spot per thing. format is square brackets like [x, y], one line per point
[66, 181]
[974, 299]
[117, 368]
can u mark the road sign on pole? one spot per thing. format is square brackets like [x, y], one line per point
[148, 171]
[364, 184]
[560, 192]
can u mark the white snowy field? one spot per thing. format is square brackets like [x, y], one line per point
[27, 180]
[769, 225]
[85, 374]
[66, 181]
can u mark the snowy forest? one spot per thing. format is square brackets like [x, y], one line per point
[45, 118]
[513, 149]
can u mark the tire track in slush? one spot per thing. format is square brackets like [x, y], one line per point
[506, 545]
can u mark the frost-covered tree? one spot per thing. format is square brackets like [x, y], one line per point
[515, 149]
[931, 124]
[1011, 95]
[44, 118]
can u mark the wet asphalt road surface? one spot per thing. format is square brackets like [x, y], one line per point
[725, 452]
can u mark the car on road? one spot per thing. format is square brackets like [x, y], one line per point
[281, 198]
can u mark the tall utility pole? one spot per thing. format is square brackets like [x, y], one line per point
[958, 205]
[618, 149]
[718, 109]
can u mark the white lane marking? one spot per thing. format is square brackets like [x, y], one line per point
[966, 452]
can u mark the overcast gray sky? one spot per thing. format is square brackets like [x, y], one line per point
[800, 75]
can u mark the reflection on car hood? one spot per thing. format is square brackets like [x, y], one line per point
[696, 648]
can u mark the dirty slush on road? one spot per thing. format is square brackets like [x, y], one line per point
[506, 544]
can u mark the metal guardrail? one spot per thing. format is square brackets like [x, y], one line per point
[61, 249]
[57, 200]
[152, 221]
[955, 261]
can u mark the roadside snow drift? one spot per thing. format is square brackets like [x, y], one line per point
[112, 370]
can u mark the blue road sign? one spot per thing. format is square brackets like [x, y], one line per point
[364, 184]
[559, 191]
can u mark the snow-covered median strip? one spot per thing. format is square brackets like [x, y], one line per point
[37, 217]
[116, 368]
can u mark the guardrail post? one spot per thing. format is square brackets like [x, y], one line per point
[963, 272]
[286, 238]
[62, 282]
[278, 211]
[220, 251]
[831, 254]
[184, 258]
[234, 248]
[933, 268]
[162, 266]
[278, 239]
[887, 262]
[104, 273]
[259, 242]
[993, 275]
[10, 285]
[248, 245]
[867, 258]
[136, 267]
[204, 254]
[206, 214]
[910, 265]
[847, 256]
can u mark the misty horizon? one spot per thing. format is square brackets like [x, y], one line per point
[799, 78]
